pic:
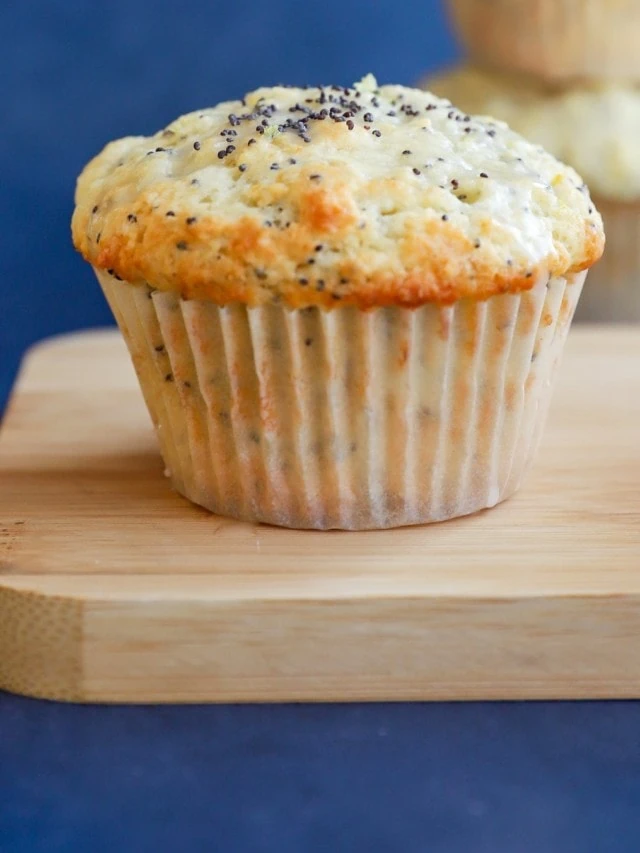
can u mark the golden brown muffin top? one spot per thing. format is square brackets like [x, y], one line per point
[327, 196]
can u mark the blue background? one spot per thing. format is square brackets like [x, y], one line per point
[492, 778]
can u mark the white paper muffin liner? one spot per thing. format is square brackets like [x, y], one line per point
[345, 418]
[612, 294]
[552, 39]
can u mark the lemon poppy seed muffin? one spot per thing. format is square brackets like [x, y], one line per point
[344, 305]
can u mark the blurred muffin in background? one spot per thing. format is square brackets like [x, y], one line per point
[552, 39]
[595, 128]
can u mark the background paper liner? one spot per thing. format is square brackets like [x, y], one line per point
[612, 293]
[553, 39]
[346, 418]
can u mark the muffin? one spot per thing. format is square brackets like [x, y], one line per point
[595, 128]
[552, 39]
[345, 306]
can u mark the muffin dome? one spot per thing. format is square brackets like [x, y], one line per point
[367, 196]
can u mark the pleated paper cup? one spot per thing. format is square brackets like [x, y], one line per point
[612, 294]
[552, 39]
[346, 418]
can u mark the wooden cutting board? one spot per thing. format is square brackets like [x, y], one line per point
[113, 588]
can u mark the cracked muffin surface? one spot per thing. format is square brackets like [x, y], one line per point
[366, 195]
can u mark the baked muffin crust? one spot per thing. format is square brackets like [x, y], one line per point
[327, 196]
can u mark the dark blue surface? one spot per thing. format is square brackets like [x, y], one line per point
[510, 778]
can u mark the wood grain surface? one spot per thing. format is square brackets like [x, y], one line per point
[114, 588]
